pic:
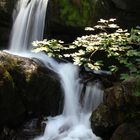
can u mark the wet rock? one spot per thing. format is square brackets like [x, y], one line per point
[122, 95]
[120, 105]
[115, 97]
[103, 122]
[26, 88]
[31, 129]
[127, 131]
[27, 131]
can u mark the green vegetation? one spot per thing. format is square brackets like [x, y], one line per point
[77, 13]
[136, 91]
[111, 48]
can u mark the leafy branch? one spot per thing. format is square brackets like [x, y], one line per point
[112, 48]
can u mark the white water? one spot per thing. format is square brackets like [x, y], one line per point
[73, 123]
[28, 24]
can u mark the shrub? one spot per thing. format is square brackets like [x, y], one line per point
[112, 48]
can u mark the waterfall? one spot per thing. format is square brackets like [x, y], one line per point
[73, 123]
[28, 24]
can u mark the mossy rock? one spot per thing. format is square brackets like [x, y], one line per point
[11, 107]
[104, 121]
[127, 131]
[26, 87]
[120, 105]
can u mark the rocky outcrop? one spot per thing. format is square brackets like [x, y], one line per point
[5, 20]
[127, 131]
[7, 5]
[121, 104]
[6, 8]
[127, 5]
[127, 12]
[29, 130]
[26, 88]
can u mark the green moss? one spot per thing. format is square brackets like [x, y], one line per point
[136, 92]
[75, 14]
[5, 75]
[28, 76]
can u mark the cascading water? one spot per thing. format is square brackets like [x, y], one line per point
[28, 24]
[73, 123]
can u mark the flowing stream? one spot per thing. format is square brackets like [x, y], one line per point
[73, 123]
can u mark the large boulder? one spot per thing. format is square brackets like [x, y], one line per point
[26, 88]
[121, 104]
[29, 130]
[127, 131]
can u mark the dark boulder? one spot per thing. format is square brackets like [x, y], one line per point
[127, 131]
[26, 88]
[11, 106]
[127, 5]
[6, 8]
[127, 12]
[121, 104]
[29, 130]
[102, 122]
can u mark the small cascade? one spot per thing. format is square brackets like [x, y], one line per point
[73, 123]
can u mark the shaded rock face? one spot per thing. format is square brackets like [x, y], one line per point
[27, 131]
[6, 8]
[128, 5]
[10, 105]
[102, 122]
[7, 5]
[26, 89]
[5, 27]
[127, 131]
[127, 12]
[120, 105]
